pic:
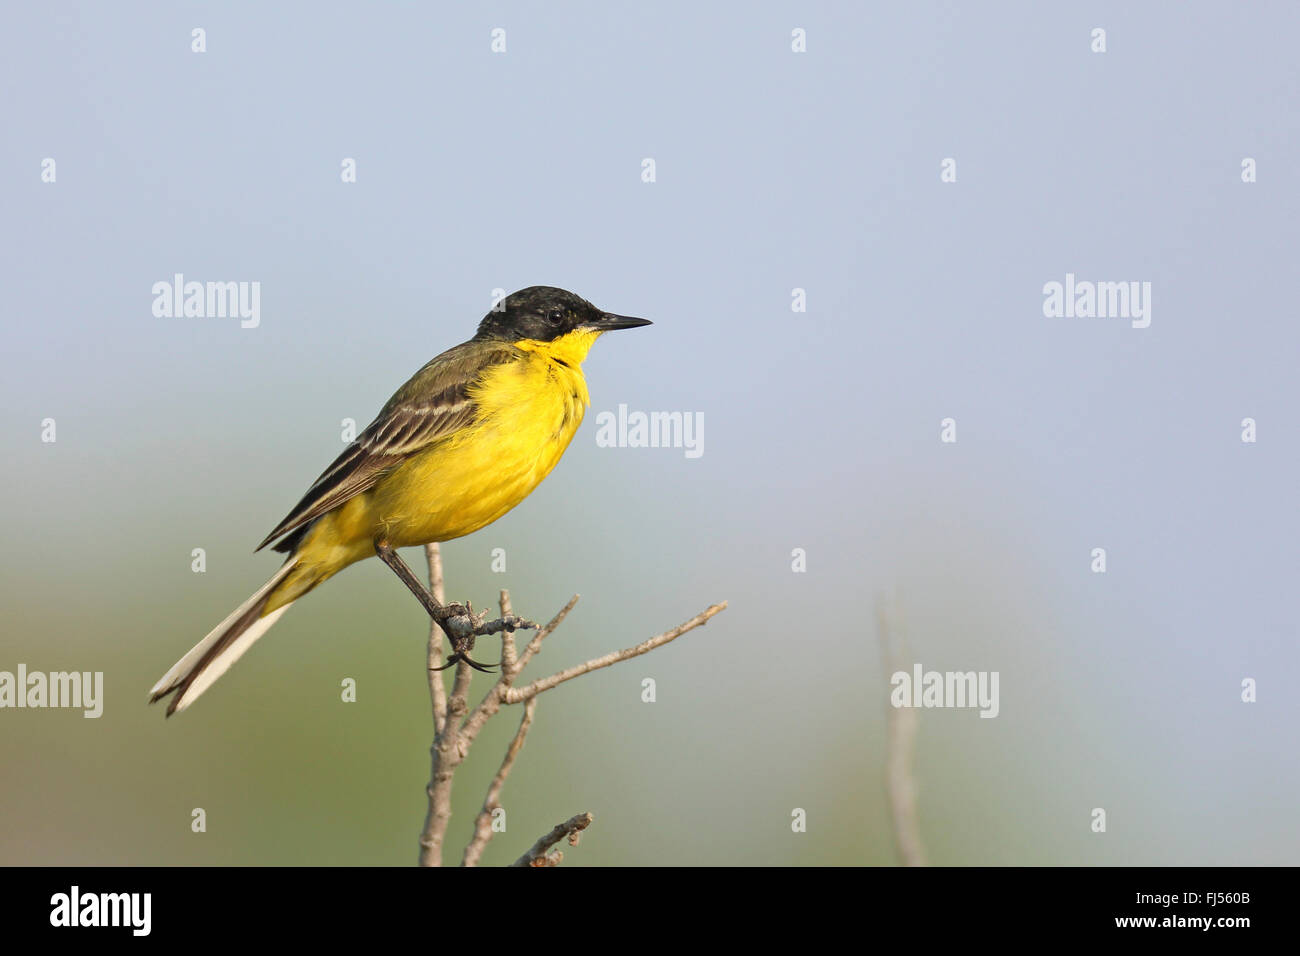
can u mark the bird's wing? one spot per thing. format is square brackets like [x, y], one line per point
[434, 404]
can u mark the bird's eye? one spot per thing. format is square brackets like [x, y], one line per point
[555, 316]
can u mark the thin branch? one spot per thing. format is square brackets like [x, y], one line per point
[516, 694]
[900, 731]
[535, 645]
[483, 823]
[446, 753]
[537, 855]
[456, 727]
[437, 815]
[494, 698]
[508, 655]
[437, 690]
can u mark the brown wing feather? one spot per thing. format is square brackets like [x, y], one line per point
[432, 405]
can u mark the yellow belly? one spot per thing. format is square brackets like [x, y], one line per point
[473, 478]
[528, 413]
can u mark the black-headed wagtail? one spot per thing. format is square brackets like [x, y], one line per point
[459, 445]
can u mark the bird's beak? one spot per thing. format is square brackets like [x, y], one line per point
[608, 322]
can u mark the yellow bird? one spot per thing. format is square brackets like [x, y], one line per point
[457, 446]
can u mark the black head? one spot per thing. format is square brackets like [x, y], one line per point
[544, 313]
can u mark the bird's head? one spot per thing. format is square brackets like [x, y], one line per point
[543, 313]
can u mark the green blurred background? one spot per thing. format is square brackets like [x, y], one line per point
[775, 171]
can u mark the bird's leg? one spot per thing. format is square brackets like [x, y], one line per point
[439, 613]
[394, 560]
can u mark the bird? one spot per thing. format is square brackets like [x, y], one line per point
[466, 439]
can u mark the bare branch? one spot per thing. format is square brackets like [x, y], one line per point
[535, 644]
[438, 813]
[446, 752]
[508, 655]
[516, 694]
[493, 699]
[483, 823]
[437, 690]
[900, 730]
[456, 727]
[537, 855]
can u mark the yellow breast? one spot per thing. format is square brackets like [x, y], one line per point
[528, 411]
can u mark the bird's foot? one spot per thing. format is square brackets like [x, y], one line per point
[461, 630]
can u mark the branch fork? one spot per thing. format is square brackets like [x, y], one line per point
[456, 725]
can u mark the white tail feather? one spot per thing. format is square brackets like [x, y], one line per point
[218, 666]
[221, 663]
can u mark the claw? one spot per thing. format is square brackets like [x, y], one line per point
[485, 668]
[459, 656]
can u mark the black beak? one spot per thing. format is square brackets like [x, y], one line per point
[608, 322]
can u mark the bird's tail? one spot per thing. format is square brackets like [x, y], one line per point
[211, 657]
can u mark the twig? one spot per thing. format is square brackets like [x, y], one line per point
[456, 727]
[439, 810]
[537, 855]
[517, 694]
[448, 753]
[483, 823]
[449, 749]
[900, 731]
[494, 698]
[508, 656]
[535, 645]
[437, 690]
